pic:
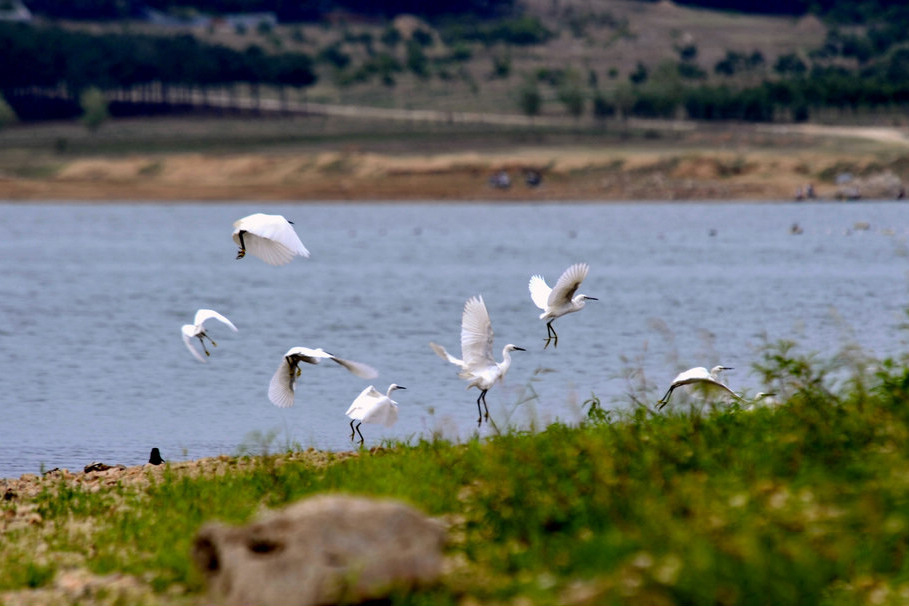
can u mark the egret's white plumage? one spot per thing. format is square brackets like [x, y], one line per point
[197, 330]
[698, 375]
[561, 299]
[477, 364]
[373, 407]
[281, 387]
[270, 237]
[762, 399]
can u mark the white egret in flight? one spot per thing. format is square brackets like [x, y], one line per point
[373, 407]
[700, 376]
[282, 385]
[269, 237]
[478, 366]
[561, 299]
[197, 330]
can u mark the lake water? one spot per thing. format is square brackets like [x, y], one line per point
[92, 297]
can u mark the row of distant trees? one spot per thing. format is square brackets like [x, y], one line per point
[842, 11]
[286, 10]
[70, 62]
[796, 99]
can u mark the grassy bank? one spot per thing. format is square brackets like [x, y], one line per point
[805, 502]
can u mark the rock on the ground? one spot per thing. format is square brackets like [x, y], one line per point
[322, 550]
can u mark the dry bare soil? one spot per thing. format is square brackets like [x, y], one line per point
[633, 161]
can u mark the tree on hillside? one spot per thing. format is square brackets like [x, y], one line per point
[94, 108]
[530, 100]
[571, 94]
[7, 114]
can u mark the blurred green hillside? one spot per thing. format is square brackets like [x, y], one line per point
[829, 61]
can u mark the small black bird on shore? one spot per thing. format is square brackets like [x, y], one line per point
[155, 457]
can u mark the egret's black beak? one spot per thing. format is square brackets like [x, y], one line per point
[591, 298]
[520, 348]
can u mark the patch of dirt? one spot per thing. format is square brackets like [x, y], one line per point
[568, 174]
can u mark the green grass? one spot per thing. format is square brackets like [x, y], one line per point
[802, 503]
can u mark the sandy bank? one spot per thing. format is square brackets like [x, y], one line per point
[575, 173]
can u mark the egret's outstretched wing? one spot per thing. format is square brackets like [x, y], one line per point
[699, 373]
[273, 253]
[724, 387]
[539, 291]
[270, 237]
[364, 371]
[206, 314]
[305, 354]
[567, 285]
[442, 353]
[476, 335]
[383, 411]
[189, 335]
[281, 387]
[363, 402]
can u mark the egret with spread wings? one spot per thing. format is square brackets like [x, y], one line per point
[478, 366]
[270, 237]
[373, 407]
[197, 330]
[698, 376]
[560, 299]
[282, 387]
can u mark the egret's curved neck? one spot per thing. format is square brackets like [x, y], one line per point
[506, 359]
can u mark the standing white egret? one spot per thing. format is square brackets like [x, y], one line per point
[197, 330]
[373, 407]
[699, 375]
[478, 365]
[559, 300]
[269, 237]
[281, 387]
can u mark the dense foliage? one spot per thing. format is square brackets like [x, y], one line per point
[55, 57]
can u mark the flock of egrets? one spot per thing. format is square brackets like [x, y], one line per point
[272, 238]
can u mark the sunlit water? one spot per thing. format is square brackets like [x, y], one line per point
[92, 366]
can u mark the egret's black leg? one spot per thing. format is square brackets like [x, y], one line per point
[480, 410]
[665, 399]
[551, 335]
[242, 252]
[352, 429]
[485, 408]
[358, 431]
[205, 349]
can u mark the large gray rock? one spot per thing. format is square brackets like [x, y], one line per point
[322, 550]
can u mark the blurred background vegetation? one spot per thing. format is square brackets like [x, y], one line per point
[830, 60]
